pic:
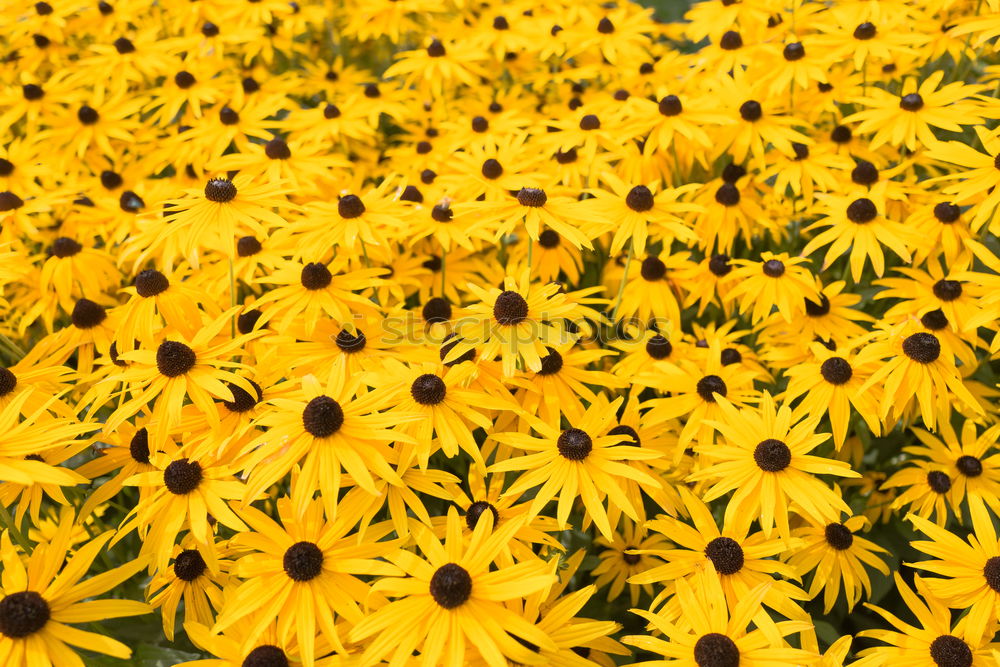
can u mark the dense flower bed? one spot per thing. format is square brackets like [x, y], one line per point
[499, 333]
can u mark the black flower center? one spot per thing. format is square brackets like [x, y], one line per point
[628, 432]
[10, 201]
[605, 26]
[751, 111]
[436, 310]
[934, 320]
[727, 195]
[189, 565]
[303, 561]
[331, 111]
[653, 268]
[820, 309]
[476, 510]
[220, 190]
[719, 265]
[480, 124]
[574, 444]
[716, 650]
[733, 172]
[861, 211]
[794, 51]
[266, 656]
[87, 314]
[247, 246]
[448, 345]
[23, 613]
[87, 115]
[970, 466]
[436, 49]
[350, 206]
[730, 356]
[228, 116]
[277, 149]
[950, 651]
[174, 358]
[65, 247]
[150, 283]
[836, 370]
[911, 102]
[864, 173]
[772, 455]
[492, 169]
[548, 239]
[510, 308]
[315, 276]
[991, 572]
[533, 197]
[947, 213]
[451, 585]
[865, 31]
[726, 555]
[639, 199]
[569, 157]
[110, 179]
[138, 447]
[123, 45]
[182, 476]
[130, 202]
[671, 106]
[947, 290]
[801, 151]
[838, 536]
[322, 417]
[939, 481]
[658, 347]
[428, 389]
[246, 322]
[730, 41]
[922, 347]
[32, 92]
[710, 385]
[243, 401]
[411, 193]
[442, 213]
[773, 268]
[500, 23]
[841, 134]
[6, 167]
[551, 363]
[184, 80]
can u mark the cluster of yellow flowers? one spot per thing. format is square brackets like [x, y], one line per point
[435, 332]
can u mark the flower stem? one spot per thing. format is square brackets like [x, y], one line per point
[8, 522]
[16, 352]
[621, 288]
[232, 296]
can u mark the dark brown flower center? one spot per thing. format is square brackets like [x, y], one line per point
[630, 559]
[727, 195]
[730, 41]
[189, 565]
[772, 455]
[476, 510]
[726, 555]
[87, 115]
[574, 444]
[671, 106]
[719, 265]
[861, 211]
[491, 169]
[451, 585]
[864, 173]
[991, 572]
[182, 476]
[174, 358]
[322, 417]
[639, 199]
[947, 213]
[631, 437]
[836, 370]
[658, 347]
[243, 401]
[751, 111]
[911, 102]
[970, 466]
[220, 190]
[730, 356]
[947, 290]
[710, 385]
[865, 31]
[773, 268]
[184, 79]
[838, 536]
[303, 561]
[10, 201]
[150, 283]
[532, 197]
[428, 389]
[716, 650]
[266, 656]
[138, 447]
[939, 481]
[87, 314]
[950, 651]
[653, 269]
[794, 51]
[551, 363]
[22, 614]
[315, 276]
[228, 116]
[510, 308]
[820, 309]
[922, 347]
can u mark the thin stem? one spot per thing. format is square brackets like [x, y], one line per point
[8, 522]
[232, 296]
[12, 347]
[621, 288]
[444, 259]
[531, 252]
